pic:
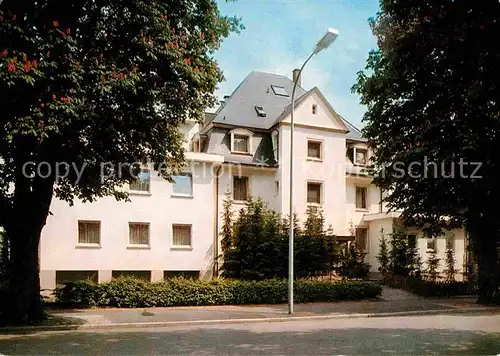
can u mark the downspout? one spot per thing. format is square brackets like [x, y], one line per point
[215, 272]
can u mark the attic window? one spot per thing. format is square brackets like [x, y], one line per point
[260, 111]
[278, 90]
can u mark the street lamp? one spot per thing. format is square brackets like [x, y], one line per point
[329, 37]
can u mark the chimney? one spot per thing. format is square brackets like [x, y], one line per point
[296, 77]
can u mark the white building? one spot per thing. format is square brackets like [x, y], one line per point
[243, 148]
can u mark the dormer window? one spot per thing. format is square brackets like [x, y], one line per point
[241, 141]
[260, 111]
[360, 156]
[196, 146]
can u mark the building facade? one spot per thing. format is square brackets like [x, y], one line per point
[241, 150]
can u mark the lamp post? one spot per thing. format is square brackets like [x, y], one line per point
[329, 37]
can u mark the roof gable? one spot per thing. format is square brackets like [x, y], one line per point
[326, 117]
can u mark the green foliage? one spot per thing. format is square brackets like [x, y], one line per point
[353, 265]
[383, 255]
[259, 244]
[399, 250]
[432, 264]
[427, 288]
[91, 90]
[450, 270]
[433, 100]
[135, 293]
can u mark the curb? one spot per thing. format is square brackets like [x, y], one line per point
[27, 329]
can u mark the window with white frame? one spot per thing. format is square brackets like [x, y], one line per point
[182, 185]
[314, 109]
[240, 188]
[314, 191]
[314, 149]
[138, 234]
[362, 238]
[181, 235]
[431, 243]
[196, 145]
[360, 156]
[142, 183]
[361, 194]
[275, 136]
[89, 232]
[241, 143]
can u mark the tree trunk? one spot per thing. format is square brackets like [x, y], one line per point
[24, 305]
[23, 227]
[484, 236]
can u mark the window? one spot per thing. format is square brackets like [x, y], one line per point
[260, 111]
[183, 184]
[361, 193]
[450, 242]
[63, 277]
[240, 188]
[89, 232]
[361, 156]
[196, 146]
[142, 182]
[314, 109]
[431, 244]
[138, 234]
[314, 149]
[144, 275]
[362, 238]
[181, 235]
[240, 143]
[314, 193]
[279, 90]
[276, 188]
[412, 241]
[276, 145]
[183, 274]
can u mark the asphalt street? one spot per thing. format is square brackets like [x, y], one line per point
[416, 335]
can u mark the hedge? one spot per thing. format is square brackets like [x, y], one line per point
[425, 288]
[128, 292]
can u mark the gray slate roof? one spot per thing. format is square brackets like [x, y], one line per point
[255, 90]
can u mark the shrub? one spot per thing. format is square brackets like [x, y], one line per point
[426, 288]
[134, 293]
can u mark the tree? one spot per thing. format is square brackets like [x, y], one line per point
[91, 90]
[399, 250]
[433, 101]
[383, 255]
[450, 269]
[432, 264]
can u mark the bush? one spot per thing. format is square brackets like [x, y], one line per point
[135, 293]
[427, 288]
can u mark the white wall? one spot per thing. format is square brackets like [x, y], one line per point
[330, 172]
[354, 216]
[60, 251]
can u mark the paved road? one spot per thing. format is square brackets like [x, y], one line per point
[423, 335]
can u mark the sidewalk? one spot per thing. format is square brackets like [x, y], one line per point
[393, 302]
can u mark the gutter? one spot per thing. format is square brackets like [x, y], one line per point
[215, 271]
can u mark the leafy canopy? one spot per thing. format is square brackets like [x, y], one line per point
[95, 81]
[432, 93]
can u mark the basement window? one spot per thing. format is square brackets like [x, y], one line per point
[279, 90]
[260, 111]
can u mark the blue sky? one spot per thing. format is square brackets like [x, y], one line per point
[280, 35]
